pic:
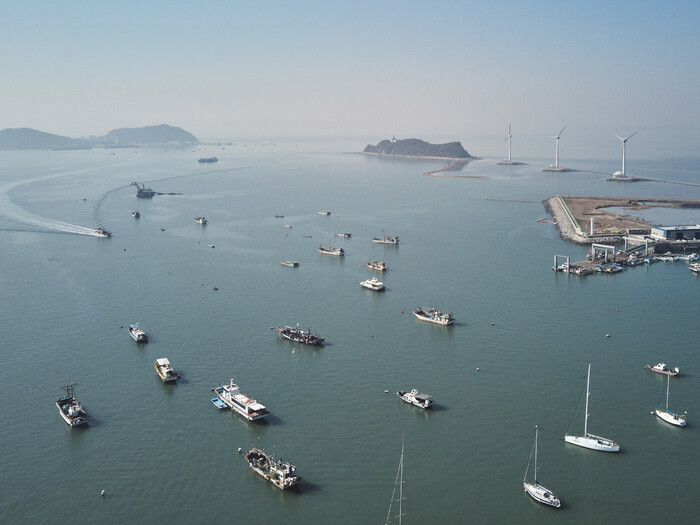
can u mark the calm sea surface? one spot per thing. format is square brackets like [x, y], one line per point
[163, 453]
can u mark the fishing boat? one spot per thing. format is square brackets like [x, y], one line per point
[281, 474]
[373, 284]
[246, 406]
[535, 490]
[386, 239]
[101, 232]
[137, 333]
[135, 214]
[591, 440]
[377, 265]
[345, 235]
[165, 371]
[291, 264]
[397, 483]
[70, 408]
[300, 336]
[207, 160]
[694, 267]
[415, 398]
[200, 220]
[324, 213]
[288, 226]
[668, 415]
[331, 250]
[661, 368]
[434, 316]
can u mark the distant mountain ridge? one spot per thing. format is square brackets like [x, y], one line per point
[27, 138]
[419, 148]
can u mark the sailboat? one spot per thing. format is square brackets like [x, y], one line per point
[535, 490]
[397, 483]
[667, 415]
[591, 440]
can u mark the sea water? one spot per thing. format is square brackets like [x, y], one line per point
[516, 357]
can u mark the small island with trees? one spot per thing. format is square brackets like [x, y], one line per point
[419, 148]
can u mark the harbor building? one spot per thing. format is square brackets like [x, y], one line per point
[676, 233]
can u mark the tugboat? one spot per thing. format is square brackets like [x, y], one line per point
[137, 333]
[373, 284]
[331, 250]
[248, 407]
[200, 220]
[101, 232]
[661, 368]
[142, 192]
[165, 371]
[299, 336]
[70, 408]
[386, 239]
[415, 398]
[377, 265]
[434, 316]
[281, 474]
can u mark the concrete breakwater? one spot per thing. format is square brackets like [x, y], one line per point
[568, 225]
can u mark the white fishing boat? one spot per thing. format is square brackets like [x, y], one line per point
[591, 440]
[668, 415]
[165, 371]
[246, 406]
[344, 235]
[661, 368]
[535, 490]
[434, 316]
[101, 232]
[70, 408]
[137, 333]
[373, 284]
[377, 265]
[211, 246]
[386, 239]
[415, 398]
[291, 264]
[324, 213]
[331, 250]
[200, 220]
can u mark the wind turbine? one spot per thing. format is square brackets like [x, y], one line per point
[510, 136]
[556, 154]
[624, 142]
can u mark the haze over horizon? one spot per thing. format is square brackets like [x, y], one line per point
[363, 70]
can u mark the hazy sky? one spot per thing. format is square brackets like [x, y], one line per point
[441, 71]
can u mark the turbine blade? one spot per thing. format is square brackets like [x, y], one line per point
[562, 131]
[618, 136]
[632, 135]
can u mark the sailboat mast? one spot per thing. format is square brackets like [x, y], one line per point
[401, 483]
[536, 432]
[588, 384]
[668, 382]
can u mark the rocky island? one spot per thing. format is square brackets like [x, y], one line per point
[419, 148]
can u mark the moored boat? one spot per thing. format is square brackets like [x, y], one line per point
[165, 370]
[324, 213]
[386, 239]
[377, 265]
[661, 368]
[535, 490]
[694, 267]
[200, 220]
[137, 333]
[373, 284]
[281, 474]
[248, 407]
[135, 214]
[300, 336]
[415, 398]
[331, 250]
[207, 160]
[70, 408]
[668, 415]
[291, 264]
[434, 316]
[345, 235]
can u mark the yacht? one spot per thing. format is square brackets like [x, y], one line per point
[416, 398]
[668, 415]
[200, 220]
[331, 250]
[386, 239]
[291, 264]
[101, 232]
[377, 265]
[300, 336]
[70, 408]
[165, 371]
[661, 368]
[373, 284]
[537, 491]
[137, 333]
[434, 316]
[233, 398]
[281, 474]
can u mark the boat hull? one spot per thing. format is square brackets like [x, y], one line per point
[70, 421]
[671, 417]
[593, 443]
[542, 494]
[222, 394]
[439, 320]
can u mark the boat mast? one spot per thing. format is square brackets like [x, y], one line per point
[536, 432]
[668, 382]
[399, 482]
[588, 383]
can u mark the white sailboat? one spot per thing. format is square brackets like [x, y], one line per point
[667, 415]
[589, 440]
[397, 483]
[535, 490]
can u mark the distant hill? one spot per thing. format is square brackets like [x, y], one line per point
[419, 148]
[149, 135]
[27, 138]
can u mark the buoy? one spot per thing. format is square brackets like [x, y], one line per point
[216, 289]
[401, 311]
[607, 335]
[121, 326]
[372, 335]
[477, 368]
[386, 391]
[493, 324]
[103, 493]
[239, 450]
[617, 309]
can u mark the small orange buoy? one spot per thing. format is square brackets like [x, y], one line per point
[493, 324]
[401, 311]
[372, 335]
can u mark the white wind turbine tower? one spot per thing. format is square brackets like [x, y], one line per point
[556, 151]
[508, 161]
[621, 174]
[510, 136]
